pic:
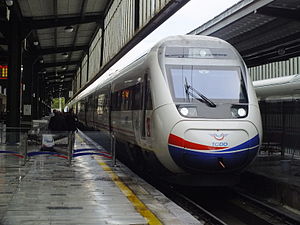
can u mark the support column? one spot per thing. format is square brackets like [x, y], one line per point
[14, 77]
[34, 95]
[40, 96]
[28, 64]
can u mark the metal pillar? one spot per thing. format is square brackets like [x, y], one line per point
[14, 77]
[34, 95]
[28, 62]
[41, 95]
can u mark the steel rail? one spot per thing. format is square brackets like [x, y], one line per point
[211, 218]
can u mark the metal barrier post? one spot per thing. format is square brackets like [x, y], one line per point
[113, 149]
[25, 148]
[2, 127]
[70, 147]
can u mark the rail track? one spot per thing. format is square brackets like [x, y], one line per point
[229, 206]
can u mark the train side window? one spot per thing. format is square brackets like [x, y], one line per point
[101, 104]
[136, 97]
[148, 96]
[114, 103]
[125, 99]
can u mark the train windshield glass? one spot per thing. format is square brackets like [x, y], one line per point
[217, 84]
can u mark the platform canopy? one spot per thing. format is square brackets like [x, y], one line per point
[62, 34]
[263, 31]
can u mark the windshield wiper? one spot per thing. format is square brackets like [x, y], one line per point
[189, 92]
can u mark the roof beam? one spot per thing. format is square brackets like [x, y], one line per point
[49, 78]
[272, 45]
[48, 51]
[47, 65]
[280, 12]
[60, 22]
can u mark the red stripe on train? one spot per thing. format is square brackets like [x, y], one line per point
[180, 142]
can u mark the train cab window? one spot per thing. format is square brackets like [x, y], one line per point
[220, 84]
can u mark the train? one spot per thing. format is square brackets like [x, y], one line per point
[280, 88]
[279, 101]
[186, 110]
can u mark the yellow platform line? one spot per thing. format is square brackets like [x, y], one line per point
[137, 203]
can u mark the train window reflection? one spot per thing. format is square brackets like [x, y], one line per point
[219, 84]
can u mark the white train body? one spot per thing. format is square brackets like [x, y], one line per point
[189, 101]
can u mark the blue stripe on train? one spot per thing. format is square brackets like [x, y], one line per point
[210, 161]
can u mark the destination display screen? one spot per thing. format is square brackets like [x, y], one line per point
[198, 52]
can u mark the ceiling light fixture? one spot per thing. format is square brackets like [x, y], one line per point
[41, 61]
[65, 55]
[64, 67]
[35, 43]
[69, 29]
[9, 2]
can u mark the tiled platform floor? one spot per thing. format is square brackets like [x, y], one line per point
[46, 191]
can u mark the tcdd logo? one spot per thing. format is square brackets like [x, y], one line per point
[220, 144]
[218, 137]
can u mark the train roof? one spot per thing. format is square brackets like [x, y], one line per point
[176, 40]
[190, 40]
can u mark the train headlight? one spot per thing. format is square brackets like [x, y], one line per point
[239, 111]
[184, 111]
[188, 111]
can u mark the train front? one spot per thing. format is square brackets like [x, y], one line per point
[219, 129]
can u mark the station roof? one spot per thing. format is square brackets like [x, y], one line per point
[263, 31]
[59, 32]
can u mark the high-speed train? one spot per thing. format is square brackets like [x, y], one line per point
[279, 88]
[187, 110]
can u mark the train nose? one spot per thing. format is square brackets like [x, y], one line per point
[210, 150]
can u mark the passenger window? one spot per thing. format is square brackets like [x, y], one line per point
[148, 96]
[136, 97]
[101, 104]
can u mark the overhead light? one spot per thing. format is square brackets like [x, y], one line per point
[65, 55]
[9, 2]
[64, 67]
[35, 43]
[43, 71]
[69, 29]
[41, 61]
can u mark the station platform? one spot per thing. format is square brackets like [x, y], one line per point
[91, 191]
[275, 179]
